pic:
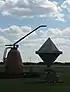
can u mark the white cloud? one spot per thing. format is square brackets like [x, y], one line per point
[32, 8]
[3, 40]
[14, 32]
[59, 32]
[66, 5]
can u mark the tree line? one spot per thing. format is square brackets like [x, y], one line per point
[41, 63]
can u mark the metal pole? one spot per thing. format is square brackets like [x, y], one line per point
[29, 34]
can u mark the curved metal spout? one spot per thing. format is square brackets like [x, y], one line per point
[29, 33]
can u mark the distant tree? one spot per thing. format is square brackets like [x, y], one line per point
[29, 63]
[58, 63]
[67, 63]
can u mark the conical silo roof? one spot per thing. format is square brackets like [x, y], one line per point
[48, 47]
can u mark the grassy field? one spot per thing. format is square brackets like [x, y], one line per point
[28, 85]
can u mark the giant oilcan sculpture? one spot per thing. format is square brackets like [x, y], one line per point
[13, 62]
[48, 53]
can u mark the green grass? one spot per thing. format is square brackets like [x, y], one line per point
[18, 85]
[28, 85]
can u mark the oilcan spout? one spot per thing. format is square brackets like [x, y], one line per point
[16, 46]
[29, 33]
[43, 26]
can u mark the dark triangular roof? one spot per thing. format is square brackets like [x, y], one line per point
[48, 47]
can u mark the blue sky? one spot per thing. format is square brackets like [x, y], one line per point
[18, 17]
[10, 20]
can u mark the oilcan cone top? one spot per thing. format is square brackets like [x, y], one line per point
[48, 52]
